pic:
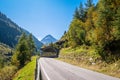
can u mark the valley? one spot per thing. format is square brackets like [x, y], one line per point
[81, 40]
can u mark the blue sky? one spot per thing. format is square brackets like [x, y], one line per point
[41, 17]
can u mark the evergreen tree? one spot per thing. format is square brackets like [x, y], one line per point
[20, 56]
[76, 15]
[64, 32]
[22, 49]
[89, 4]
[116, 31]
[80, 13]
[31, 45]
[105, 20]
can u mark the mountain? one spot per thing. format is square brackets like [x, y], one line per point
[10, 32]
[48, 39]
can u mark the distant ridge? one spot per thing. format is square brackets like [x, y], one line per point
[48, 39]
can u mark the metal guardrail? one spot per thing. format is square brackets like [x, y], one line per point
[37, 71]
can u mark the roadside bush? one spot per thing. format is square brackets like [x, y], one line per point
[7, 72]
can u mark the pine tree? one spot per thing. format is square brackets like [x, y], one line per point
[20, 56]
[89, 4]
[76, 15]
[31, 45]
[105, 19]
[106, 25]
[116, 31]
[80, 13]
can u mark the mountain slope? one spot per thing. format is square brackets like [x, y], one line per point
[37, 42]
[10, 32]
[48, 39]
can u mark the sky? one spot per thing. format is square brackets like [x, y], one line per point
[41, 17]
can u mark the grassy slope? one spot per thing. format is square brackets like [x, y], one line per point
[87, 58]
[4, 48]
[27, 72]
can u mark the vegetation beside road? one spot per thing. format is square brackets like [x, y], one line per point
[23, 51]
[23, 59]
[88, 59]
[27, 72]
[6, 69]
[12, 59]
[7, 72]
[93, 37]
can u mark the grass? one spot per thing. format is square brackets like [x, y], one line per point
[87, 58]
[27, 72]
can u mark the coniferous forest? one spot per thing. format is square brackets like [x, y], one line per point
[96, 26]
[93, 38]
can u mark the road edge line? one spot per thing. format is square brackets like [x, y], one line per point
[42, 68]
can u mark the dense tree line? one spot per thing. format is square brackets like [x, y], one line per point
[24, 50]
[96, 26]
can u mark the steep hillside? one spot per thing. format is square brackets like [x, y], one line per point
[48, 39]
[10, 32]
[93, 38]
[5, 55]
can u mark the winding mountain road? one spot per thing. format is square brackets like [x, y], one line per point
[51, 69]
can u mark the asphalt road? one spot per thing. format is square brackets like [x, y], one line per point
[52, 69]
